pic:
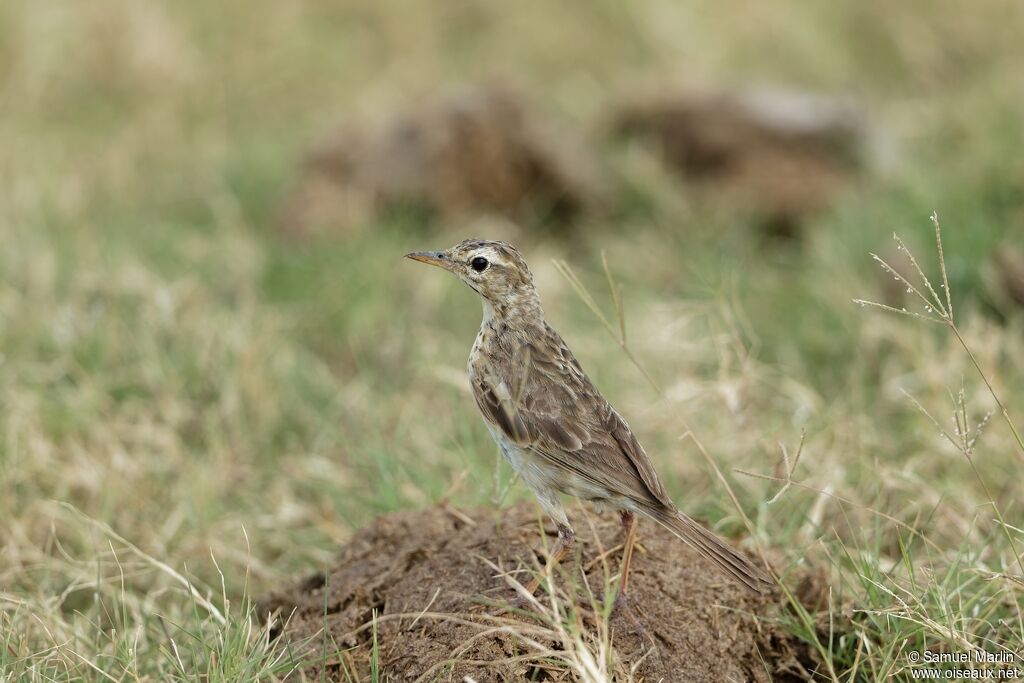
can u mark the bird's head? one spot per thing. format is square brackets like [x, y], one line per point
[494, 270]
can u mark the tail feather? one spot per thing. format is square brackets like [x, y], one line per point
[713, 548]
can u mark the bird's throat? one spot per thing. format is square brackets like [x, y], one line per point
[520, 310]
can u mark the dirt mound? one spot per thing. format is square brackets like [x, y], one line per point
[434, 580]
[467, 151]
[781, 154]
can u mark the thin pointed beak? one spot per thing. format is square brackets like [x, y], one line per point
[434, 258]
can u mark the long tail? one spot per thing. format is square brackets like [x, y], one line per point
[710, 546]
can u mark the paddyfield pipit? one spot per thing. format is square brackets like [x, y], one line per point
[554, 427]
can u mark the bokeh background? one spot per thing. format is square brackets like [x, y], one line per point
[205, 390]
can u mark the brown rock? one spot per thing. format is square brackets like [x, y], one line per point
[427, 577]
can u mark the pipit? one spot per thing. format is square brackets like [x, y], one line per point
[550, 422]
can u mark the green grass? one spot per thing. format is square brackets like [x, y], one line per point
[194, 411]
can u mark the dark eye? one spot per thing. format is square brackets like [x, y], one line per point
[479, 264]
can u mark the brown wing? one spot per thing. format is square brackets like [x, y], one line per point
[541, 399]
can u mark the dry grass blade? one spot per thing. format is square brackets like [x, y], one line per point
[942, 264]
[210, 608]
[790, 469]
[900, 311]
[615, 290]
[585, 295]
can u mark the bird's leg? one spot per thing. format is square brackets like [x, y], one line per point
[621, 604]
[563, 547]
[629, 529]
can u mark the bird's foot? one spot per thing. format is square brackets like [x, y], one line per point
[520, 604]
[623, 606]
[524, 601]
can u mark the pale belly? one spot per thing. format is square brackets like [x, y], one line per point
[547, 480]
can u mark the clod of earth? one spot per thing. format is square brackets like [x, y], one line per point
[1009, 264]
[466, 152]
[782, 155]
[431, 584]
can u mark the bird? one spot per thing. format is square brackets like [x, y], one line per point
[552, 424]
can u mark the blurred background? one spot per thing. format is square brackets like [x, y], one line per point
[212, 354]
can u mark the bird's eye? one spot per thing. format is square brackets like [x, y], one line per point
[479, 264]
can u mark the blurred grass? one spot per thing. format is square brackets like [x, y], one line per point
[172, 369]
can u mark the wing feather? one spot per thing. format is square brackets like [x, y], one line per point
[552, 408]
